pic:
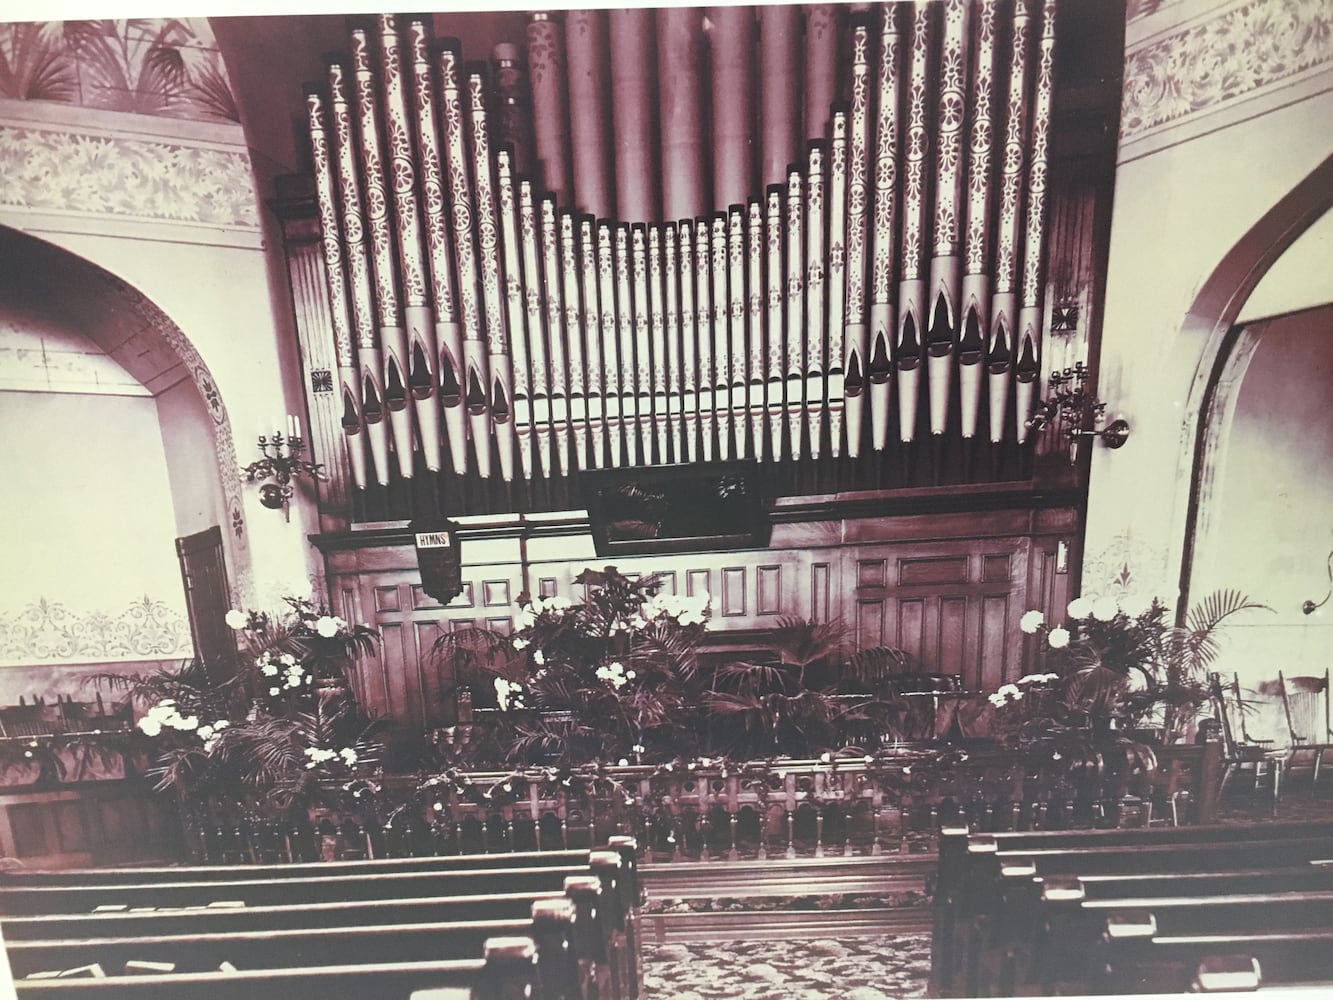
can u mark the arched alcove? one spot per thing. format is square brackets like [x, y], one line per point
[120, 443]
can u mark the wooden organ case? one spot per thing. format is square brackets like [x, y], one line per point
[843, 245]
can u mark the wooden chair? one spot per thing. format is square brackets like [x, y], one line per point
[1305, 702]
[1245, 751]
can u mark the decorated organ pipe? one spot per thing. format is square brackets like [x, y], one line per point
[946, 261]
[864, 334]
[975, 296]
[389, 313]
[557, 339]
[515, 310]
[907, 347]
[1027, 369]
[837, 275]
[331, 244]
[557, 325]
[592, 329]
[1004, 300]
[434, 198]
[535, 309]
[657, 328]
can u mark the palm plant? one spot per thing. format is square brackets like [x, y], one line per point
[34, 64]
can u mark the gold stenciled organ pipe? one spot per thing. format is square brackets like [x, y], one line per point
[629, 404]
[859, 339]
[389, 313]
[703, 309]
[422, 350]
[837, 275]
[371, 388]
[515, 309]
[946, 261]
[816, 343]
[794, 354]
[448, 330]
[535, 309]
[331, 244]
[578, 382]
[674, 348]
[606, 288]
[689, 359]
[658, 335]
[592, 328]
[821, 66]
[476, 378]
[738, 382]
[498, 363]
[1004, 301]
[975, 298]
[721, 346]
[774, 375]
[557, 342]
[1027, 369]
[912, 288]
[756, 357]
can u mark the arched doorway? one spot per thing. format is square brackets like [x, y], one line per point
[120, 443]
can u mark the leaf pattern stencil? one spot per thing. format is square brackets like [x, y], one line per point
[154, 66]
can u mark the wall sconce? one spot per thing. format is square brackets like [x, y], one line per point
[281, 462]
[1077, 411]
[1310, 607]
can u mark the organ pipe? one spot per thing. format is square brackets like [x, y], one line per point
[975, 298]
[875, 362]
[838, 276]
[633, 121]
[679, 44]
[589, 110]
[1027, 370]
[732, 78]
[816, 344]
[907, 346]
[779, 94]
[592, 329]
[550, 116]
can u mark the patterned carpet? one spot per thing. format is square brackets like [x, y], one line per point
[860, 968]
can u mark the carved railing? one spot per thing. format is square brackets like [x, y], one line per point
[891, 802]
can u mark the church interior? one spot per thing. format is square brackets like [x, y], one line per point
[823, 501]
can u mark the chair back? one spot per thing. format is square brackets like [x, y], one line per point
[1223, 696]
[1305, 703]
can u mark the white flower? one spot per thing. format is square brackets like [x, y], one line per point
[327, 627]
[187, 723]
[288, 659]
[349, 756]
[1038, 679]
[1058, 638]
[150, 725]
[1080, 607]
[221, 724]
[1031, 621]
[1104, 608]
[520, 643]
[538, 657]
[205, 732]
[269, 669]
[236, 619]
[273, 691]
[525, 617]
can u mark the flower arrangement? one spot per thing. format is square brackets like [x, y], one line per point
[1121, 660]
[620, 677]
[270, 729]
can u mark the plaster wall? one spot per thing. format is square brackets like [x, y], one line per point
[1187, 189]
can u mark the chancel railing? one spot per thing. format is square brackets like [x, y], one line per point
[890, 801]
[709, 242]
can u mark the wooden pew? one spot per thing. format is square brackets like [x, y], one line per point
[989, 886]
[363, 903]
[506, 971]
[1135, 956]
[969, 869]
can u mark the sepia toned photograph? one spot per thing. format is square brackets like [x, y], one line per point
[739, 502]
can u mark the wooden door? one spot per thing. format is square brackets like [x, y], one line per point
[207, 600]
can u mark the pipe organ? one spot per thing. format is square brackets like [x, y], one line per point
[712, 241]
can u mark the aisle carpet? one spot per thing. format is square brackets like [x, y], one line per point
[854, 968]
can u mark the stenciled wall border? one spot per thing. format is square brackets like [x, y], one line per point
[1209, 66]
[47, 631]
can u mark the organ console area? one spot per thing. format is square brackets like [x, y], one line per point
[844, 244]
